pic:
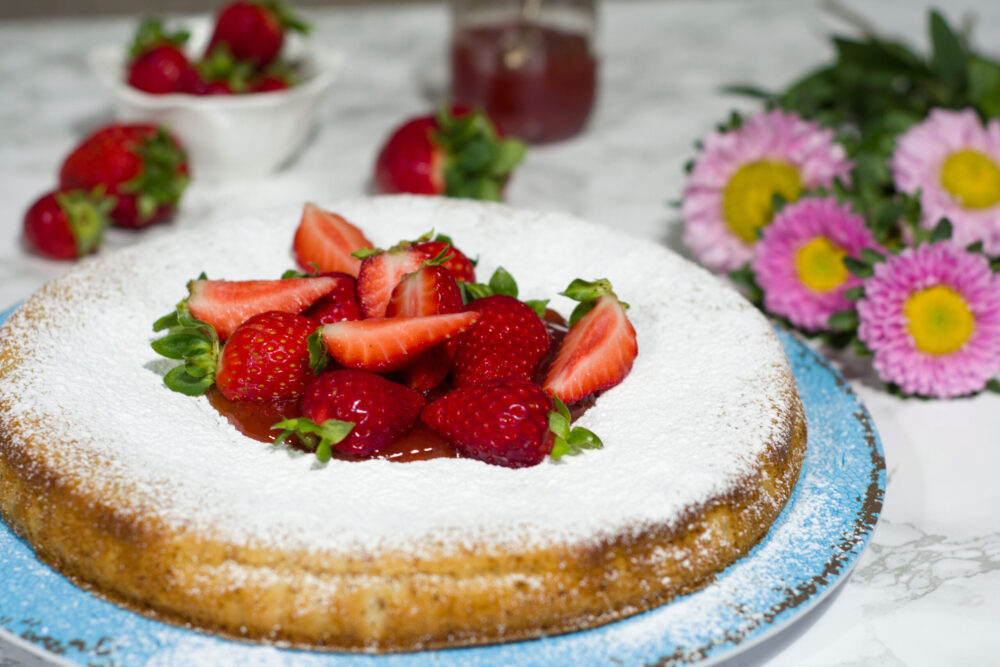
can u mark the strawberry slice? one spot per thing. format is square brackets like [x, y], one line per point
[324, 242]
[432, 290]
[226, 304]
[600, 347]
[389, 344]
[380, 272]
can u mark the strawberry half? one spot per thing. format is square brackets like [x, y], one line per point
[432, 290]
[266, 359]
[142, 166]
[455, 153]
[226, 304]
[66, 225]
[355, 412]
[254, 31]
[508, 340]
[379, 274]
[600, 347]
[388, 344]
[325, 241]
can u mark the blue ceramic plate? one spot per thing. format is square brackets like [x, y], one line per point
[809, 550]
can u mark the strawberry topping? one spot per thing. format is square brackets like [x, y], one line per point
[380, 273]
[501, 421]
[266, 359]
[226, 304]
[389, 344]
[508, 340]
[598, 351]
[324, 242]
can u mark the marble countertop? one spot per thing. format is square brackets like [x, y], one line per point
[927, 589]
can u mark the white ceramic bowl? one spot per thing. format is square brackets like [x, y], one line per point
[228, 136]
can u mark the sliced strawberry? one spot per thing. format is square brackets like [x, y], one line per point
[381, 272]
[355, 412]
[266, 359]
[508, 340]
[455, 260]
[432, 290]
[339, 304]
[503, 421]
[324, 241]
[388, 344]
[600, 347]
[226, 304]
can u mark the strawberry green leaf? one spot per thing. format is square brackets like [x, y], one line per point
[151, 33]
[319, 357]
[539, 306]
[179, 380]
[182, 344]
[313, 436]
[501, 282]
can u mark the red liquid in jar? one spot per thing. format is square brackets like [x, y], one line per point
[535, 82]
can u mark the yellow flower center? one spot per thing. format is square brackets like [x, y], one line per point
[939, 320]
[748, 200]
[820, 264]
[972, 178]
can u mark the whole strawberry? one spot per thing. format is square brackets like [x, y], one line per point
[380, 410]
[508, 340]
[504, 421]
[456, 261]
[340, 304]
[266, 359]
[142, 166]
[253, 30]
[66, 225]
[455, 153]
[157, 63]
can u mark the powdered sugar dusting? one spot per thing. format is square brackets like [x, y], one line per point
[685, 426]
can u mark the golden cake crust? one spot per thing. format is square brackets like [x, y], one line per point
[443, 594]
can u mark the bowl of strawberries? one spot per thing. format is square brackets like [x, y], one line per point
[241, 90]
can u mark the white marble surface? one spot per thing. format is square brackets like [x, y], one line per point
[927, 590]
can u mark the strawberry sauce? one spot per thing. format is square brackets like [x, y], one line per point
[420, 444]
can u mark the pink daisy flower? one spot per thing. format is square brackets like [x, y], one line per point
[729, 195]
[953, 160]
[931, 317]
[799, 262]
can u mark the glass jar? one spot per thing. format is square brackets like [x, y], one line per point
[530, 64]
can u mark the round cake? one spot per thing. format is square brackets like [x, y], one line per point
[154, 500]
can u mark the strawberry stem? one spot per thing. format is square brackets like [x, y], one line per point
[192, 341]
[315, 437]
[569, 441]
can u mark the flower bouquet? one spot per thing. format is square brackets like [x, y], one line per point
[861, 207]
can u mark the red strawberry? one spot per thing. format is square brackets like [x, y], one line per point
[508, 340]
[324, 242]
[227, 304]
[503, 421]
[66, 225]
[600, 347]
[388, 344]
[340, 304]
[455, 153]
[266, 359]
[380, 411]
[381, 272]
[432, 290]
[157, 62]
[460, 266]
[142, 166]
[253, 30]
